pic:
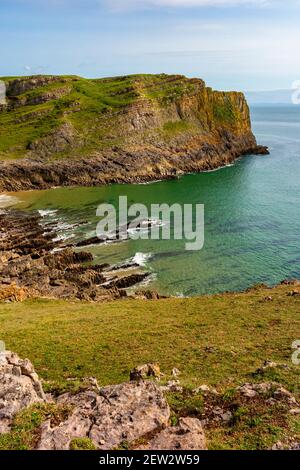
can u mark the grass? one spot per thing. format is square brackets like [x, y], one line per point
[25, 432]
[218, 340]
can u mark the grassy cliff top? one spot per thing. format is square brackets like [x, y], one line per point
[86, 112]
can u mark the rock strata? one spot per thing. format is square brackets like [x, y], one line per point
[35, 262]
[20, 387]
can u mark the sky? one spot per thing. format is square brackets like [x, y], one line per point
[232, 44]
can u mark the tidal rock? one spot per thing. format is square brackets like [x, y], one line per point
[19, 387]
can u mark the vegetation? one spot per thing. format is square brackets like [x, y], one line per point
[82, 444]
[92, 107]
[219, 340]
[25, 431]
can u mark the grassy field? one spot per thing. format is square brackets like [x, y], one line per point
[217, 340]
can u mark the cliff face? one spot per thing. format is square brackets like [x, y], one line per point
[69, 130]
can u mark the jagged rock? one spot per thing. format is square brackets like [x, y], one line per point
[19, 387]
[188, 435]
[33, 264]
[145, 371]
[119, 413]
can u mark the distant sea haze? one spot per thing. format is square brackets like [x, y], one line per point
[280, 97]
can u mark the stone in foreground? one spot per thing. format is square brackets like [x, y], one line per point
[188, 435]
[19, 387]
[121, 413]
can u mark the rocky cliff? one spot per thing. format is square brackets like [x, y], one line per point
[70, 130]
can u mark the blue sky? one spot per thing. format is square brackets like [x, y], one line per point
[232, 44]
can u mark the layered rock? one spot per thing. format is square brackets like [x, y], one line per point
[34, 262]
[127, 129]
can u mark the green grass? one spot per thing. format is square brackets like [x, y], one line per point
[218, 340]
[25, 431]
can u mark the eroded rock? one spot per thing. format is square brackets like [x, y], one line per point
[119, 413]
[187, 435]
[19, 387]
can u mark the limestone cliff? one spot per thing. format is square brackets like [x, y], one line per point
[70, 130]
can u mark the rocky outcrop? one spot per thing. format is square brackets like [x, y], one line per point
[136, 415]
[19, 388]
[127, 129]
[34, 262]
[121, 413]
[187, 435]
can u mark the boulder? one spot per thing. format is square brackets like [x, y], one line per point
[187, 435]
[116, 414]
[19, 387]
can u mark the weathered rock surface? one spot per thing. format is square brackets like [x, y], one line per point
[35, 262]
[187, 435]
[19, 387]
[119, 413]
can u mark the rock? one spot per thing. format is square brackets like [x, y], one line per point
[248, 391]
[19, 387]
[261, 150]
[188, 435]
[145, 371]
[172, 386]
[13, 293]
[34, 262]
[205, 389]
[176, 372]
[294, 293]
[119, 413]
[295, 411]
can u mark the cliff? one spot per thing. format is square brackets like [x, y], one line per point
[57, 130]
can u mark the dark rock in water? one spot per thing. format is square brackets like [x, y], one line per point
[128, 281]
[260, 150]
[32, 264]
[19, 387]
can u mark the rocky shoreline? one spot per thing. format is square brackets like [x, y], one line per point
[34, 263]
[125, 167]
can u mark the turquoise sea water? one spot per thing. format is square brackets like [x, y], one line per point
[252, 216]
